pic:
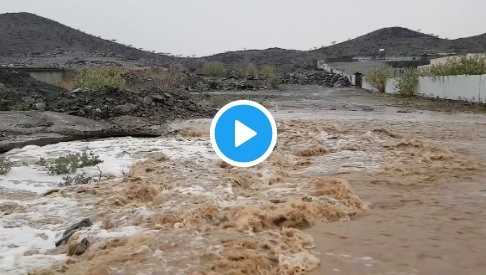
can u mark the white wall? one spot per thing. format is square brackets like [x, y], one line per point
[461, 87]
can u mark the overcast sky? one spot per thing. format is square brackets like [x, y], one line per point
[204, 27]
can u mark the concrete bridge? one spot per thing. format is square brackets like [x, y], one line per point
[48, 75]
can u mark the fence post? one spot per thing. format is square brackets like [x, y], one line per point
[358, 80]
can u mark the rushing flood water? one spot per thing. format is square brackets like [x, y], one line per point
[41, 222]
[29, 232]
[171, 213]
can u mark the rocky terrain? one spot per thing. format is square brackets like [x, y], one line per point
[34, 112]
[31, 40]
[335, 197]
[18, 129]
[316, 77]
[235, 82]
[23, 93]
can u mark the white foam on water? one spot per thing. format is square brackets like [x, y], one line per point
[40, 225]
[36, 229]
[125, 231]
[344, 161]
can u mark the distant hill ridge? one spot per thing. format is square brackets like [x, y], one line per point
[30, 35]
[26, 34]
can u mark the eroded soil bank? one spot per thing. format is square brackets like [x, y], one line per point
[353, 187]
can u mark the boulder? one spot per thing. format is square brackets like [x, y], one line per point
[78, 248]
[68, 233]
[19, 129]
[41, 106]
[125, 109]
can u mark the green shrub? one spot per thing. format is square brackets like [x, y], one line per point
[20, 106]
[71, 163]
[377, 77]
[213, 69]
[475, 65]
[274, 82]
[98, 78]
[407, 82]
[251, 70]
[80, 179]
[268, 71]
[5, 166]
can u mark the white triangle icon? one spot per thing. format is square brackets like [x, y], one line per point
[242, 133]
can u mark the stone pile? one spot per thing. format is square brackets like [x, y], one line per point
[316, 77]
[227, 83]
[20, 92]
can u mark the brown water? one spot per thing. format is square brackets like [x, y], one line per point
[354, 187]
[426, 221]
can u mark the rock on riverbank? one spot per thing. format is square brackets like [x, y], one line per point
[18, 129]
[20, 92]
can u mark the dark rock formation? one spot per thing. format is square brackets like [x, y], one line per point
[18, 129]
[72, 229]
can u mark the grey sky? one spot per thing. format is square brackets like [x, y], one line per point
[203, 27]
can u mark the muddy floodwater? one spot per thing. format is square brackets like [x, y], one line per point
[357, 184]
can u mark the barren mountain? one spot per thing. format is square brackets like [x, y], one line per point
[268, 56]
[397, 41]
[403, 42]
[28, 36]
[475, 43]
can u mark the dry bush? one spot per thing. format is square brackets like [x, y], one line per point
[99, 78]
[67, 84]
[70, 163]
[156, 77]
[251, 70]
[274, 82]
[408, 82]
[214, 69]
[474, 65]
[378, 77]
[268, 71]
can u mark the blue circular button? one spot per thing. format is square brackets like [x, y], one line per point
[243, 133]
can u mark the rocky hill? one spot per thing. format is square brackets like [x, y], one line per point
[397, 41]
[471, 44]
[27, 38]
[276, 56]
[403, 42]
[25, 35]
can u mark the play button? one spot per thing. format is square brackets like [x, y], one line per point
[243, 133]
